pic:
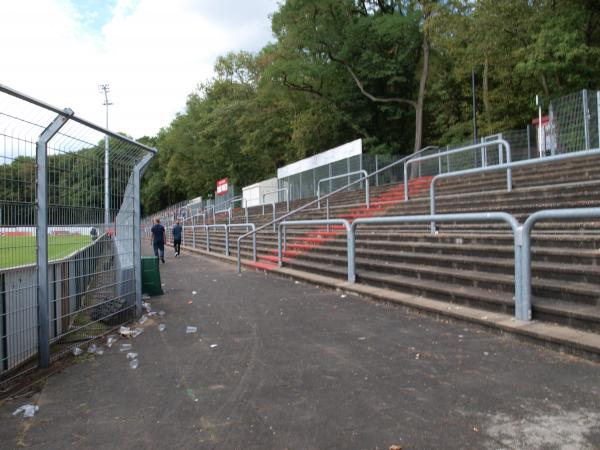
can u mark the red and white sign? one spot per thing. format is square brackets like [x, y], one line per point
[222, 186]
[546, 136]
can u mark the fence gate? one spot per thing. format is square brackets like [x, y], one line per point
[66, 275]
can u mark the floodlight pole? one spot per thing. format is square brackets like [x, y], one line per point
[104, 88]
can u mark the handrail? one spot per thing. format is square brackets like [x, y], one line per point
[285, 223]
[244, 205]
[344, 175]
[287, 198]
[507, 166]
[311, 203]
[502, 142]
[461, 217]
[226, 227]
[524, 311]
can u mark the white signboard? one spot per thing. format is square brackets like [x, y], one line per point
[335, 154]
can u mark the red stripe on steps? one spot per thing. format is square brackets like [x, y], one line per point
[262, 265]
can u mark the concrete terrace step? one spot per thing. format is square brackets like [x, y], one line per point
[576, 291]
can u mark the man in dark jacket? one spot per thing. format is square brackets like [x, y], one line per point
[158, 239]
[177, 230]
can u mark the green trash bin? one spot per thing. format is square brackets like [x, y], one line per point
[151, 276]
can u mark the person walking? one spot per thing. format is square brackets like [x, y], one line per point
[158, 239]
[177, 231]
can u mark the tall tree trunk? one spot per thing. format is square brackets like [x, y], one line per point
[421, 98]
[545, 86]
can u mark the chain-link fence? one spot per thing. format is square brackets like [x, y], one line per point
[66, 276]
[573, 122]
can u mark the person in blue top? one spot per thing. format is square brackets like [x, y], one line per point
[177, 230]
[158, 239]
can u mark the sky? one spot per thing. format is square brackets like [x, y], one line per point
[151, 53]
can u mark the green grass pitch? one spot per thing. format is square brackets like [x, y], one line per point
[21, 250]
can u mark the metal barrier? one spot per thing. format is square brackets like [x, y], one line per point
[314, 202]
[294, 223]
[507, 167]
[83, 275]
[344, 175]
[226, 228]
[244, 205]
[524, 309]
[287, 198]
[464, 217]
[439, 156]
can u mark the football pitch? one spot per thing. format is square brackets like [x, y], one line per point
[21, 250]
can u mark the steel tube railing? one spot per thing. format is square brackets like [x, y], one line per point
[313, 202]
[246, 225]
[244, 205]
[287, 198]
[507, 166]
[294, 223]
[463, 217]
[524, 311]
[344, 175]
[502, 142]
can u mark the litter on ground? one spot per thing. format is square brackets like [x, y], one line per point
[27, 410]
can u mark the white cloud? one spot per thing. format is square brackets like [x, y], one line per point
[152, 53]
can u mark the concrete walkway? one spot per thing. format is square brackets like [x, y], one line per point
[277, 364]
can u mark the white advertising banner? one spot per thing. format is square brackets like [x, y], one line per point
[335, 154]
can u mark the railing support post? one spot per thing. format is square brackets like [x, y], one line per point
[42, 236]
[586, 119]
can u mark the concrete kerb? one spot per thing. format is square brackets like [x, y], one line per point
[555, 337]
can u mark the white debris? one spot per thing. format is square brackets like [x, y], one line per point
[124, 331]
[161, 313]
[143, 319]
[213, 345]
[161, 327]
[136, 332]
[125, 347]
[194, 292]
[77, 351]
[134, 363]
[190, 329]
[132, 355]
[92, 348]
[362, 338]
[27, 410]
[110, 340]
[147, 306]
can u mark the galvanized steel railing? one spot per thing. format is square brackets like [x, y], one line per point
[524, 308]
[344, 175]
[508, 167]
[313, 202]
[439, 156]
[287, 198]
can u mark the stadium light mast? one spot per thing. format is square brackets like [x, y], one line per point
[104, 88]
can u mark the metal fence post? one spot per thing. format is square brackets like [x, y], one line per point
[138, 171]
[528, 141]
[598, 114]
[42, 236]
[376, 170]
[586, 118]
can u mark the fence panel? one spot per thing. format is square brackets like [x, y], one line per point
[53, 231]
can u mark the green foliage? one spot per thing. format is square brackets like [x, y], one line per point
[345, 69]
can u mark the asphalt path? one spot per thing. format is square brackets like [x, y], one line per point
[277, 364]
